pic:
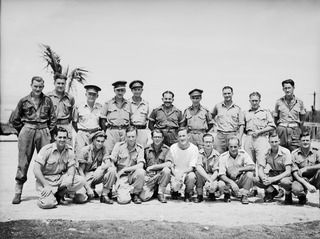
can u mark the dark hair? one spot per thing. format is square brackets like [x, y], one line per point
[182, 129]
[37, 78]
[208, 135]
[273, 133]
[60, 129]
[158, 131]
[227, 87]
[255, 93]
[168, 92]
[59, 76]
[131, 128]
[234, 138]
[288, 81]
[305, 133]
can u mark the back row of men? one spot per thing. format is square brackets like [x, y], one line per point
[37, 116]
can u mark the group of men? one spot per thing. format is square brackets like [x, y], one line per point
[113, 147]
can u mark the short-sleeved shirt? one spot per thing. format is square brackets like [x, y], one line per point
[228, 119]
[53, 162]
[227, 162]
[139, 112]
[63, 106]
[27, 112]
[258, 119]
[300, 160]
[116, 116]
[87, 117]
[123, 157]
[152, 157]
[289, 113]
[197, 119]
[279, 162]
[92, 158]
[209, 163]
[183, 159]
[163, 120]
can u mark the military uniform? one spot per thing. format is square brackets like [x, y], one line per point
[154, 179]
[54, 169]
[228, 121]
[300, 161]
[167, 122]
[288, 125]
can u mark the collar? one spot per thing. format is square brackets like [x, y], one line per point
[299, 151]
[113, 100]
[232, 105]
[279, 153]
[173, 108]
[135, 148]
[294, 99]
[213, 153]
[55, 148]
[30, 96]
[140, 103]
[53, 93]
[193, 108]
[95, 106]
[257, 110]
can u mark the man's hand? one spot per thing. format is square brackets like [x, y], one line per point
[311, 188]
[267, 181]
[234, 188]
[233, 172]
[149, 169]
[255, 134]
[302, 171]
[46, 191]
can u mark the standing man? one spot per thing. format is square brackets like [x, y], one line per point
[139, 112]
[54, 170]
[197, 118]
[63, 104]
[35, 120]
[95, 166]
[275, 169]
[236, 170]
[229, 120]
[116, 116]
[306, 169]
[86, 117]
[289, 115]
[183, 157]
[128, 158]
[158, 171]
[207, 170]
[167, 118]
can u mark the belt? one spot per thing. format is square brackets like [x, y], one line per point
[90, 131]
[251, 132]
[197, 131]
[63, 121]
[289, 125]
[227, 132]
[140, 126]
[36, 125]
[168, 128]
[119, 127]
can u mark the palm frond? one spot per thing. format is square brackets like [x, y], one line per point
[52, 59]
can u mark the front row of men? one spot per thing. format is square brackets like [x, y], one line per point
[137, 174]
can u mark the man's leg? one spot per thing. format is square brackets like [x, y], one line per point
[220, 142]
[200, 182]
[190, 182]
[136, 179]
[245, 183]
[286, 183]
[82, 139]
[109, 179]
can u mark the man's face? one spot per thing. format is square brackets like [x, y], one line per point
[305, 142]
[37, 87]
[98, 142]
[227, 94]
[233, 147]
[183, 137]
[208, 142]
[131, 138]
[195, 99]
[91, 95]
[167, 99]
[61, 139]
[157, 138]
[254, 101]
[274, 142]
[137, 91]
[288, 89]
[60, 85]
[120, 92]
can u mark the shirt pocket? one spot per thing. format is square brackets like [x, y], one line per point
[66, 107]
[51, 165]
[28, 109]
[44, 111]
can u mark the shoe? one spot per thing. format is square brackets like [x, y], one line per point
[96, 195]
[136, 199]
[253, 193]
[162, 198]
[280, 194]
[187, 197]
[60, 196]
[227, 197]
[288, 199]
[244, 199]
[268, 197]
[302, 199]
[212, 197]
[198, 199]
[105, 199]
[175, 195]
[16, 199]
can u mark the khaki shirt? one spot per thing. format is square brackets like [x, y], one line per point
[27, 112]
[152, 157]
[139, 112]
[300, 160]
[122, 157]
[197, 119]
[227, 162]
[63, 106]
[210, 163]
[86, 117]
[53, 162]
[228, 119]
[92, 158]
[257, 120]
[279, 163]
[116, 116]
[166, 120]
[291, 112]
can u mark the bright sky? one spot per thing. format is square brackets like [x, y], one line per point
[175, 45]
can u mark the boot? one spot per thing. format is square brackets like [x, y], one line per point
[198, 199]
[212, 197]
[187, 197]
[288, 198]
[17, 196]
[60, 196]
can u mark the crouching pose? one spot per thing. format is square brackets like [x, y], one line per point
[236, 170]
[306, 169]
[275, 169]
[95, 166]
[207, 170]
[54, 170]
[158, 173]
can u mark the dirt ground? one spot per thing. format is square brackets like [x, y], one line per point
[175, 219]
